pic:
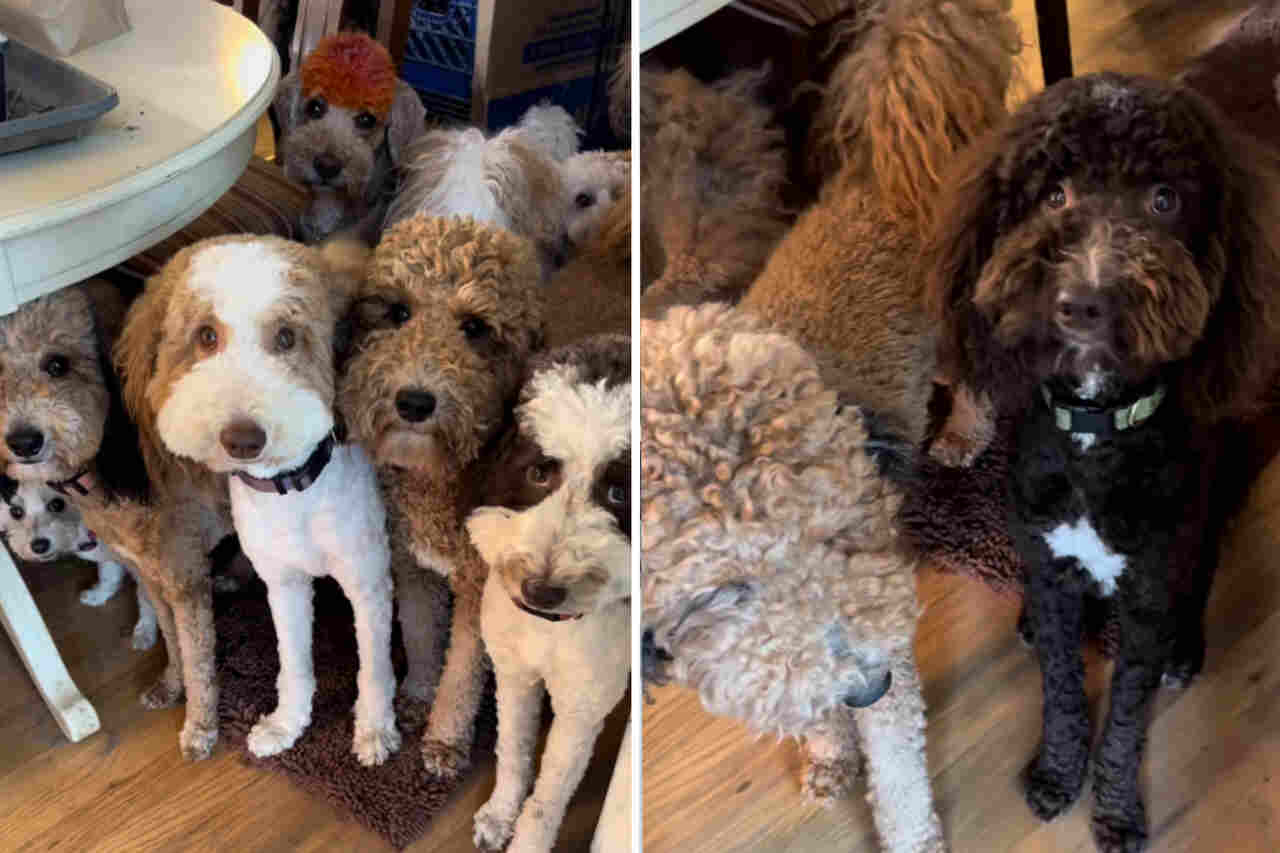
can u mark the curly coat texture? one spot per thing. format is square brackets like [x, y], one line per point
[1137, 196]
[774, 581]
[921, 82]
[453, 308]
[714, 168]
[592, 292]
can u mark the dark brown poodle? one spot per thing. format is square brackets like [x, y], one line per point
[1105, 275]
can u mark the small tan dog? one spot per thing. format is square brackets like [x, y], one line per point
[554, 529]
[64, 423]
[922, 79]
[449, 313]
[595, 180]
[592, 293]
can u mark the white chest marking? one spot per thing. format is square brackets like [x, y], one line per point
[1081, 541]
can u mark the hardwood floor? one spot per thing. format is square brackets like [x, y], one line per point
[127, 788]
[1212, 774]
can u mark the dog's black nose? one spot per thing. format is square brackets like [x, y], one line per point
[870, 694]
[415, 405]
[39, 546]
[243, 439]
[538, 593]
[25, 442]
[327, 166]
[1082, 311]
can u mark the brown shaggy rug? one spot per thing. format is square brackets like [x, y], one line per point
[397, 800]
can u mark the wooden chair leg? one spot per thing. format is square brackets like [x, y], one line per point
[73, 713]
[1055, 40]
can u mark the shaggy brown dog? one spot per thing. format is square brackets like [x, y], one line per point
[450, 311]
[920, 82]
[64, 422]
[711, 183]
[1106, 274]
[592, 293]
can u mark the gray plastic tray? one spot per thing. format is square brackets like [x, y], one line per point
[71, 99]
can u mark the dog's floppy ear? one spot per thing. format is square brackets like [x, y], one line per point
[347, 258]
[407, 121]
[288, 102]
[138, 347]
[1233, 366]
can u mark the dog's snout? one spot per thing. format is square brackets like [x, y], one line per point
[25, 442]
[243, 439]
[40, 546]
[870, 694]
[327, 166]
[1082, 311]
[415, 405]
[539, 593]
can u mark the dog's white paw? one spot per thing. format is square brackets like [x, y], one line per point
[532, 833]
[826, 782]
[144, 636]
[373, 744]
[270, 736]
[196, 742]
[98, 595]
[492, 827]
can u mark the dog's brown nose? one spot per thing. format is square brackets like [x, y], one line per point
[1081, 312]
[415, 405]
[243, 439]
[25, 442]
[538, 593]
[327, 166]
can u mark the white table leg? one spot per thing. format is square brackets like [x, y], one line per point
[74, 714]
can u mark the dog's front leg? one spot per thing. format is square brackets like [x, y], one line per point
[1055, 616]
[446, 744]
[1119, 818]
[110, 575]
[193, 616]
[892, 732]
[832, 758]
[376, 736]
[564, 760]
[291, 611]
[167, 690]
[519, 711]
[422, 600]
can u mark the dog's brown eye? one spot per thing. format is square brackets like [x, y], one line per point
[398, 313]
[1165, 200]
[583, 200]
[316, 108]
[474, 328]
[56, 365]
[56, 505]
[365, 121]
[541, 472]
[285, 339]
[1057, 197]
[16, 513]
[207, 336]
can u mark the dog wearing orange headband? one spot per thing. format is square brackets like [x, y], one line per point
[345, 119]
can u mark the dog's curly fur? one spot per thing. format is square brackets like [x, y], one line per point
[1135, 199]
[451, 307]
[711, 183]
[918, 83]
[774, 580]
[139, 500]
[595, 180]
[592, 292]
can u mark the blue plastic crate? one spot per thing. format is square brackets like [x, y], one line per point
[440, 54]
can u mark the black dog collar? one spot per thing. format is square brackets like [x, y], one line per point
[80, 484]
[1094, 420]
[542, 614]
[299, 478]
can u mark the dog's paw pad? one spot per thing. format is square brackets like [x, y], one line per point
[444, 760]
[269, 737]
[162, 694]
[825, 782]
[1049, 794]
[492, 829]
[1119, 833]
[373, 745]
[196, 742]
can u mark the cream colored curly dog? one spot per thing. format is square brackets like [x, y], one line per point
[774, 581]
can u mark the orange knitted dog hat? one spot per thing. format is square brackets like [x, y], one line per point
[353, 71]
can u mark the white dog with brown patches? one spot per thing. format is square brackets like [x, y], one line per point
[554, 527]
[244, 385]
